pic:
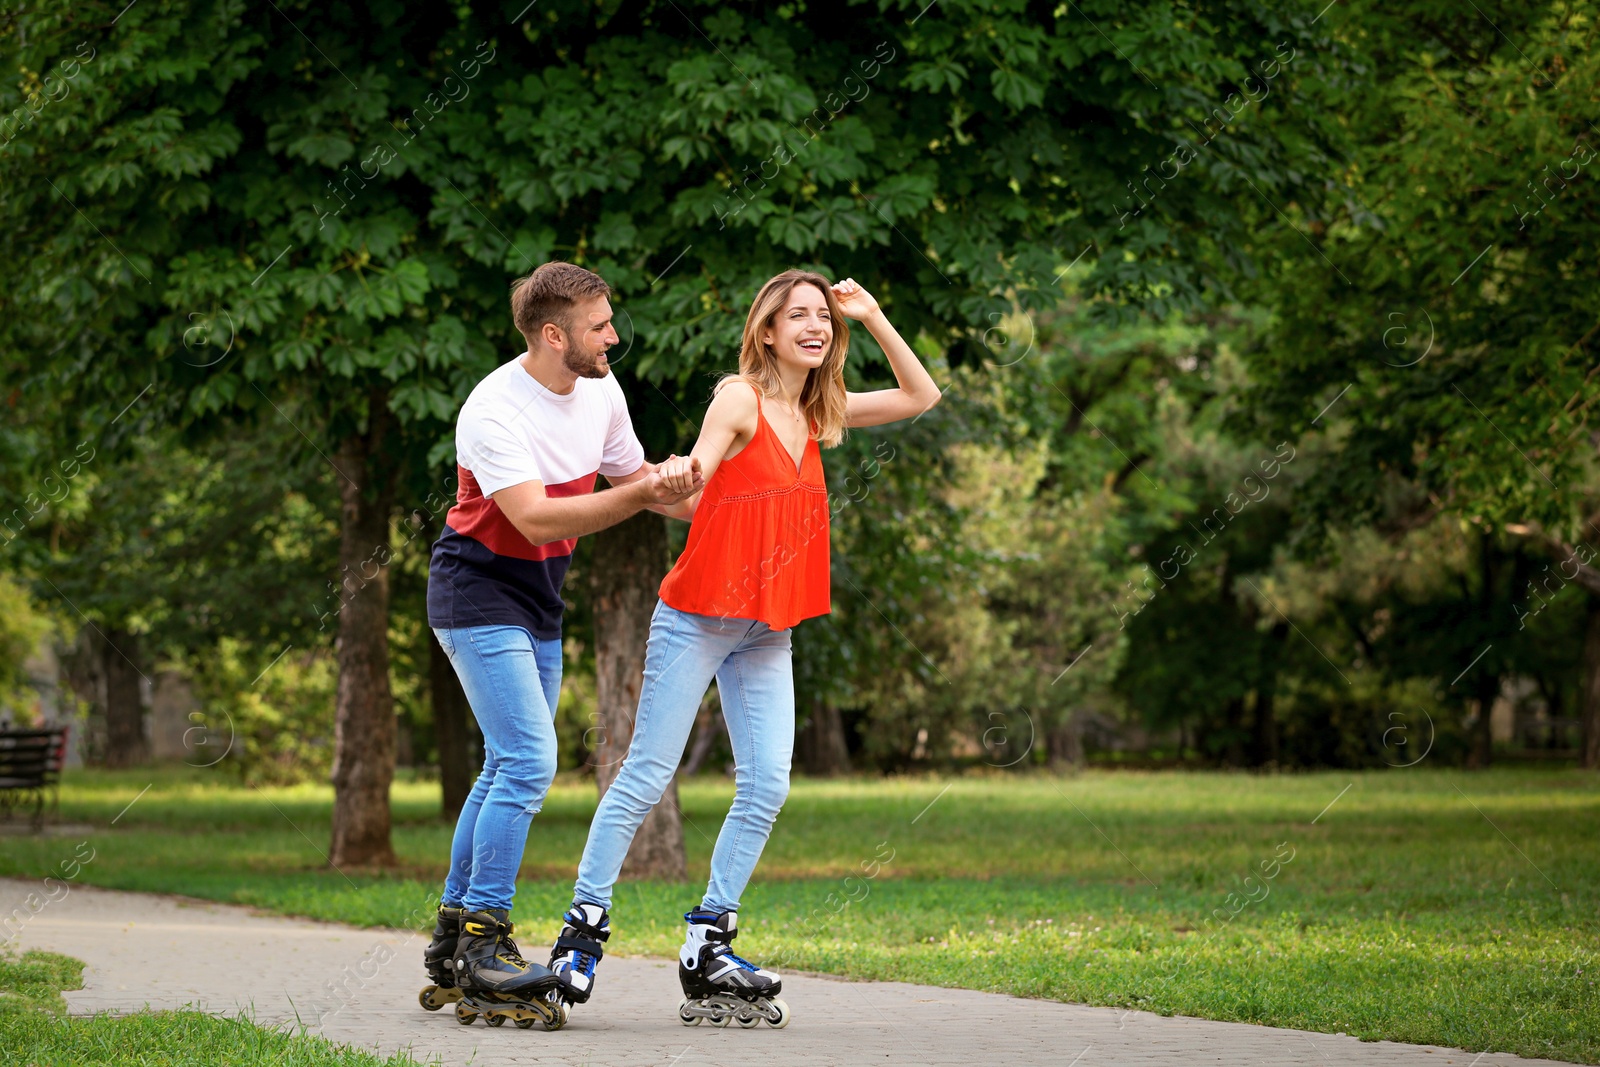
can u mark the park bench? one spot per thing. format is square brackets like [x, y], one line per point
[30, 767]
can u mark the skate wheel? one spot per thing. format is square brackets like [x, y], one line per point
[721, 1021]
[524, 1024]
[495, 1020]
[435, 997]
[464, 1014]
[782, 1011]
[746, 1021]
[685, 1016]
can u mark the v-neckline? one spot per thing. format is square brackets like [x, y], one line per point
[799, 464]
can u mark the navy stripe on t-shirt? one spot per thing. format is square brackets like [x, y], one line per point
[484, 572]
[468, 585]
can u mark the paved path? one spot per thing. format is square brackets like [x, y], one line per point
[360, 987]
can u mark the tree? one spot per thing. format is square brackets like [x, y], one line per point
[164, 554]
[626, 564]
[349, 189]
[451, 713]
[1434, 301]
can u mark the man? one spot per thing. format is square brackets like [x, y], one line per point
[529, 443]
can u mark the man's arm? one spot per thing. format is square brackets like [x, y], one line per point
[542, 519]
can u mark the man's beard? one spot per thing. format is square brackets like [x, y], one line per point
[585, 364]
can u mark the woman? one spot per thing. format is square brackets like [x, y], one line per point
[756, 563]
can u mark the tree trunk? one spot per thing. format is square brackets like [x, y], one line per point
[1233, 727]
[1487, 685]
[708, 726]
[628, 562]
[1266, 723]
[1590, 705]
[1233, 749]
[1554, 706]
[125, 741]
[1064, 743]
[364, 727]
[83, 669]
[450, 714]
[1487, 688]
[820, 744]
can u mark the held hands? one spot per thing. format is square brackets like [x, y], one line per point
[854, 301]
[676, 479]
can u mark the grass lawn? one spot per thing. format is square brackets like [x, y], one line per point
[34, 1029]
[1432, 907]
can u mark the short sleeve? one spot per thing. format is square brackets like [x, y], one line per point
[497, 457]
[623, 454]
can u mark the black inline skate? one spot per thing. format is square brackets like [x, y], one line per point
[439, 959]
[578, 950]
[497, 983]
[719, 986]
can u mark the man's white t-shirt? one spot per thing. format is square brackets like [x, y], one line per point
[513, 430]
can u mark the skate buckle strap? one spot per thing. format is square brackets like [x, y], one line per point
[596, 933]
[589, 947]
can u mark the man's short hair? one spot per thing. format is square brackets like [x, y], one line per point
[550, 293]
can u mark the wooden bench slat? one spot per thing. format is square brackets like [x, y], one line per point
[30, 763]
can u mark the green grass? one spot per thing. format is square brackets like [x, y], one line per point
[34, 981]
[1431, 907]
[34, 1029]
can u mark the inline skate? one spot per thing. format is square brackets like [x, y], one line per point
[578, 950]
[497, 983]
[439, 960]
[718, 985]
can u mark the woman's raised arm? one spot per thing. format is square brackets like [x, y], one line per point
[917, 392]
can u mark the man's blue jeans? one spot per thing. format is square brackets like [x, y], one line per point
[755, 677]
[512, 680]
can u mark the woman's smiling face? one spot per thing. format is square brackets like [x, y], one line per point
[803, 330]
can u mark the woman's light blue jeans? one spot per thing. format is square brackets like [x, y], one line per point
[754, 671]
[512, 680]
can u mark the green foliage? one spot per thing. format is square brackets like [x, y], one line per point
[353, 220]
[273, 721]
[22, 627]
[274, 228]
[1443, 282]
[178, 544]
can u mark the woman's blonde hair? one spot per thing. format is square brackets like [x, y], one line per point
[823, 397]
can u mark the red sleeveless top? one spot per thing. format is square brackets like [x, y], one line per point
[758, 544]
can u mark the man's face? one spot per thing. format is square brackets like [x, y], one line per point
[592, 333]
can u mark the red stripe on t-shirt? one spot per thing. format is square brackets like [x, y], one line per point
[480, 518]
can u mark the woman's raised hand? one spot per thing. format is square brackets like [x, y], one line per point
[854, 301]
